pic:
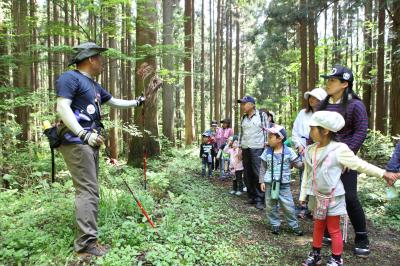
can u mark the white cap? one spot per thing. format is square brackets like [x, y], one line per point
[333, 121]
[318, 93]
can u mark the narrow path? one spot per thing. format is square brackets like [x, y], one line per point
[385, 244]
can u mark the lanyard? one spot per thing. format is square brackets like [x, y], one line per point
[272, 164]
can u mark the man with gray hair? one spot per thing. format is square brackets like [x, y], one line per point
[79, 98]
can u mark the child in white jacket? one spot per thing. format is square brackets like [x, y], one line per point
[323, 165]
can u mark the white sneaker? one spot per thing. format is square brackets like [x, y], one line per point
[232, 192]
[245, 189]
[238, 193]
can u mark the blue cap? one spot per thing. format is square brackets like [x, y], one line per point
[340, 72]
[247, 99]
[206, 134]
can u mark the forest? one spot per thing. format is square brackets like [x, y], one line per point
[208, 54]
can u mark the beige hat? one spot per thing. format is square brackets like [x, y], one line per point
[333, 121]
[318, 93]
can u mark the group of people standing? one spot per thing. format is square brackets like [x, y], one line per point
[326, 137]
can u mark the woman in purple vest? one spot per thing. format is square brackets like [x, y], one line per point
[342, 99]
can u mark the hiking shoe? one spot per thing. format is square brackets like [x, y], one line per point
[95, 249]
[232, 192]
[362, 248]
[275, 230]
[313, 259]
[297, 231]
[238, 193]
[334, 262]
[260, 206]
[327, 241]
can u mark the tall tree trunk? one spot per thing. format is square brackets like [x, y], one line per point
[380, 82]
[168, 63]
[188, 64]
[112, 43]
[4, 68]
[228, 64]
[395, 95]
[56, 41]
[146, 37]
[237, 62]
[21, 74]
[49, 46]
[217, 89]
[325, 41]
[336, 52]
[311, 50]
[221, 59]
[202, 63]
[367, 84]
[211, 4]
[303, 49]
[241, 87]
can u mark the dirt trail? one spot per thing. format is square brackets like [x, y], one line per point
[385, 244]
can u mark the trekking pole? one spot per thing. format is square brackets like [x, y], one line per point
[141, 207]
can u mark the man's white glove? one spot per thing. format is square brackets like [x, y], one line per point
[91, 138]
[140, 100]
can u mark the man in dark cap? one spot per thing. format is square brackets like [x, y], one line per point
[79, 98]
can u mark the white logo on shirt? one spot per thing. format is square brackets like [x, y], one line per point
[90, 109]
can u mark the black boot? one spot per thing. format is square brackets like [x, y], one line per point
[361, 245]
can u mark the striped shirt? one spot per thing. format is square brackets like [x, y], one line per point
[355, 130]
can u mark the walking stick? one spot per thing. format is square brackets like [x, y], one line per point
[141, 207]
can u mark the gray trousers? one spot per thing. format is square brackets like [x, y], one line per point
[83, 163]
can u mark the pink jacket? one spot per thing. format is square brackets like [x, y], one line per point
[235, 161]
[222, 135]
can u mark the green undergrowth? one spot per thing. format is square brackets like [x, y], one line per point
[194, 224]
[384, 213]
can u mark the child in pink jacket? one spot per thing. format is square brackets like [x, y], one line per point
[236, 165]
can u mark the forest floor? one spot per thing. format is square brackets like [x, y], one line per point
[198, 223]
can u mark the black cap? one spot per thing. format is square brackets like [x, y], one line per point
[340, 72]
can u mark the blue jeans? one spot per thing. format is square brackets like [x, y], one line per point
[204, 165]
[285, 201]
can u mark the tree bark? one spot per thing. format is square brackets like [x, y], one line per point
[112, 62]
[228, 62]
[311, 50]
[395, 86]
[202, 72]
[188, 65]
[367, 84]
[146, 121]
[21, 74]
[303, 49]
[380, 82]
[217, 91]
[211, 5]
[168, 106]
[237, 71]
[336, 52]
